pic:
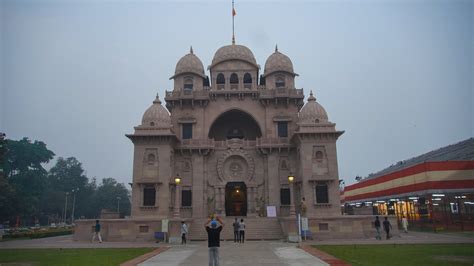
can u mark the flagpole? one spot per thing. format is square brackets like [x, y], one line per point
[233, 15]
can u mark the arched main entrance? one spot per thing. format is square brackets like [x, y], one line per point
[236, 199]
[235, 124]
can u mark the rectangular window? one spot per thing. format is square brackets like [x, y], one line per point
[282, 129]
[322, 193]
[285, 196]
[186, 198]
[187, 131]
[149, 196]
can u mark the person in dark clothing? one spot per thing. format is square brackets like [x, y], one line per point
[378, 228]
[387, 226]
[97, 232]
[236, 226]
[214, 228]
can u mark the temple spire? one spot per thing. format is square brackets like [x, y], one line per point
[276, 48]
[191, 50]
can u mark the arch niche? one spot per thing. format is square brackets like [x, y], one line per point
[235, 124]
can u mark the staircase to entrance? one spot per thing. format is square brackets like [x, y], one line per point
[256, 228]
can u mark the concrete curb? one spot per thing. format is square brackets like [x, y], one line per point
[329, 259]
[144, 257]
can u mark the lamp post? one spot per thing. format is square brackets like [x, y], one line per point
[177, 181]
[118, 205]
[291, 180]
[65, 208]
[74, 191]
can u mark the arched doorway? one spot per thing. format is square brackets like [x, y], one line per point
[236, 199]
[235, 124]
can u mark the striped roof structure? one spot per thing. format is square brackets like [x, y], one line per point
[448, 169]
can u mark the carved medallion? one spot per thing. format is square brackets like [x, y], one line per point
[235, 165]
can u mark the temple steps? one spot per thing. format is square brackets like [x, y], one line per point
[256, 228]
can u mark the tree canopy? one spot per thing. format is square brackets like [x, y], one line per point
[29, 191]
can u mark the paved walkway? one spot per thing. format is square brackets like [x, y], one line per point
[250, 253]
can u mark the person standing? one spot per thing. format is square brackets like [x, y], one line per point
[405, 224]
[241, 231]
[184, 232]
[97, 232]
[387, 226]
[214, 228]
[236, 226]
[377, 228]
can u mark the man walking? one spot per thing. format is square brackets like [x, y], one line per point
[377, 228]
[97, 232]
[236, 226]
[184, 232]
[387, 226]
[214, 229]
[241, 231]
[405, 224]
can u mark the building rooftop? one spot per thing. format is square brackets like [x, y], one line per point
[461, 151]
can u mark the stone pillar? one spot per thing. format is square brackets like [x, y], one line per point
[292, 199]
[176, 203]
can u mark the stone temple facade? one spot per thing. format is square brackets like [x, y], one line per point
[234, 135]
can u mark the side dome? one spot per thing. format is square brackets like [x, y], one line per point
[156, 115]
[278, 62]
[189, 63]
[312, 112]
[234, 52]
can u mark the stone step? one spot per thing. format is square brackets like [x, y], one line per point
[256, 228]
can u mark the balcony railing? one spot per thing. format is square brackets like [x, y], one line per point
[212, 144]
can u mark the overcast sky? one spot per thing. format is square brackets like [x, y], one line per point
[397, 76]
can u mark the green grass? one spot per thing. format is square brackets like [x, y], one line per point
[66, 257]
[422, 254]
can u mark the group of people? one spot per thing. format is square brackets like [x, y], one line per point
[239, 231]
[387, 227]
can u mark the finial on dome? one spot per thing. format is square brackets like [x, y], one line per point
[311, 98]
[157, 99]
[276, 48]
[191, 50]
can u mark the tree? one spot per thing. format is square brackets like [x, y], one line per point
[106, 197]
[66, 176]
[25, 178]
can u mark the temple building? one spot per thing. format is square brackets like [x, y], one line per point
[233, 136]
[236, 142]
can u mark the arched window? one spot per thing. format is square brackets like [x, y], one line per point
[220, 81]
[188, 83]
[234, 79]
[280, 81]
[247, 81]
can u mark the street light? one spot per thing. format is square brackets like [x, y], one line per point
[291, 180]
[118, 205]
[177, 181]
[74, 191]
[65, 208]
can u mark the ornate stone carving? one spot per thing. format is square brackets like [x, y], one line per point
[235, 165]
[320, 162]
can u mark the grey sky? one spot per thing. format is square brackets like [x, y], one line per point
[397, 76]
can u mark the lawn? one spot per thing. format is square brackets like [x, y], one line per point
[99, 256]
[422, 254]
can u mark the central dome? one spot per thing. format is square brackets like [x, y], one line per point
[233, 52]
